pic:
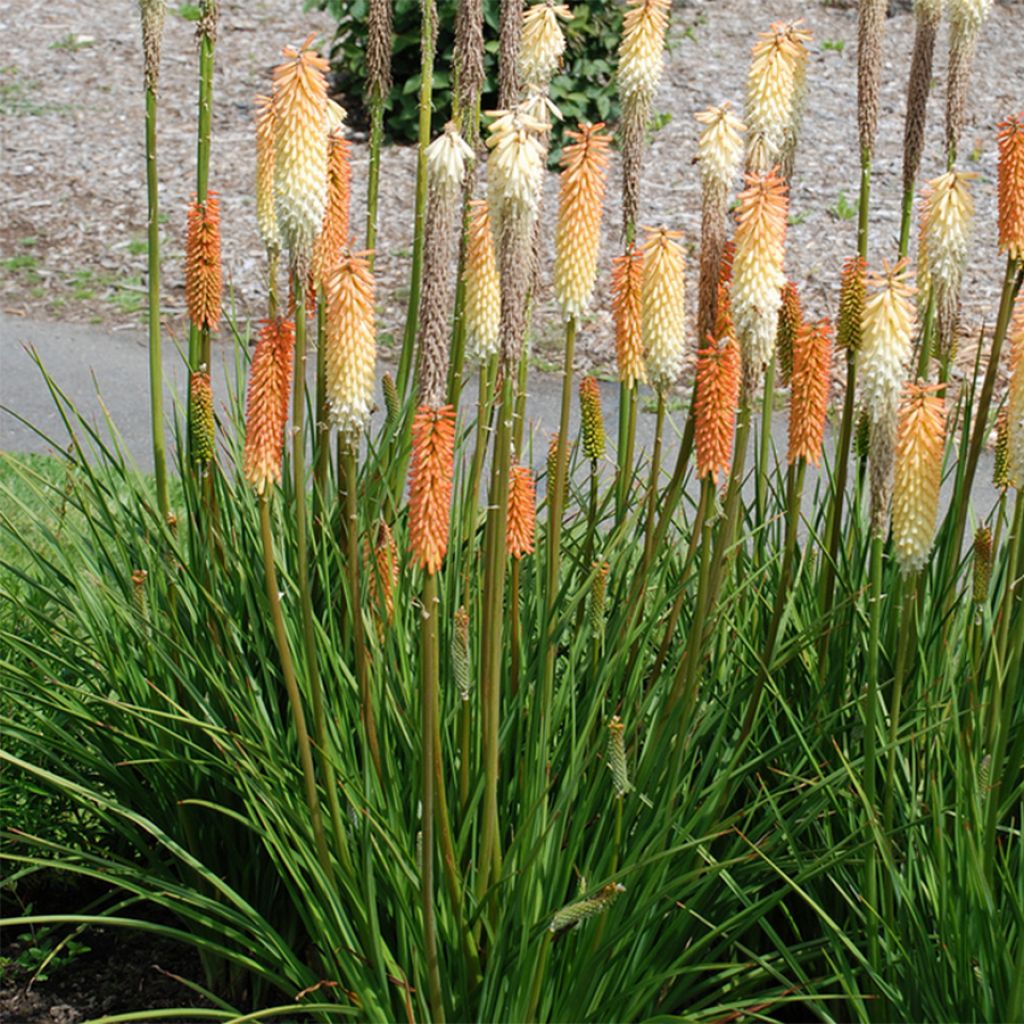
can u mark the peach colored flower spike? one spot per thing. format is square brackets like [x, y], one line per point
[430, 484]
[808, 403]
[915, 505]
[522, 512]
[266, 217]
[627, 283]
[1011, 186]
[350, 355]
[202, 263]
[266, 404]
[300, 147]
[578, 231]
[757, 275]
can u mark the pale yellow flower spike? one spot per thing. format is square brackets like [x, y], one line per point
[663, 314]
[720, 148]
[774, 88]
[641, 51]
[947, 212]
[542, 43]
[483, 290]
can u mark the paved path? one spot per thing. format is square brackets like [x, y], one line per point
[93, 364]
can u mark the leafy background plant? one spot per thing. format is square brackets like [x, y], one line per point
[582, 90]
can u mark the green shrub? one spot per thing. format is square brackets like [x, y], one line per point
[583, 91]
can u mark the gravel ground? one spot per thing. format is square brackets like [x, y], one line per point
[72, 188]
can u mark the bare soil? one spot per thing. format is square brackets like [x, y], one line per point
[72, 187]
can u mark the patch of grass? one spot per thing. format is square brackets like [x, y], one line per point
[188, 12]
[797, 218]
[137, 246]
[28, 241]
[16, 263]
[72, 42]
[844, 209]
[838, 45]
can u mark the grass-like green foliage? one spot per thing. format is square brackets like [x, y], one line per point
[161, 723]
[582, 90]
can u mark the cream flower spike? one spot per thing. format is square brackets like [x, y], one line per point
[720, 148]
[516, 165]
[446, 159]
[542, 43]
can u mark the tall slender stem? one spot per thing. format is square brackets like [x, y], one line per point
[427, 32]
[352, 562]
[490, 855]
[156, 367]
[870, 737]
[652, 488]
[197, 345]
[291, 684]
[627, 439]
[430, 662]
[556, 498]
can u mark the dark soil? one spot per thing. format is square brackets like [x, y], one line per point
[123, 971]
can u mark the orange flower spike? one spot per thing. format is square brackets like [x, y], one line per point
[718, 388]
[334, 231]
[627, 291]
[266, 404]
[1011, 186]
[202, 263]
[808, 401]
[430, 484]
[580, 206]
[522, 512]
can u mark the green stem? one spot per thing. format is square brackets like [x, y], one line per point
[352, 562]
[373, 174]
[556, 497]
[490, 855]
[864, 205]
[834, 522]
[980, 432]
[627, 439]
[870, 741]
[764, 452]
[416, 278]
[430, 661]
[156, 367]
[795, 489]
[652, 490]
[291, 684]
[906, 220]
[195, 344]
[905, 641]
